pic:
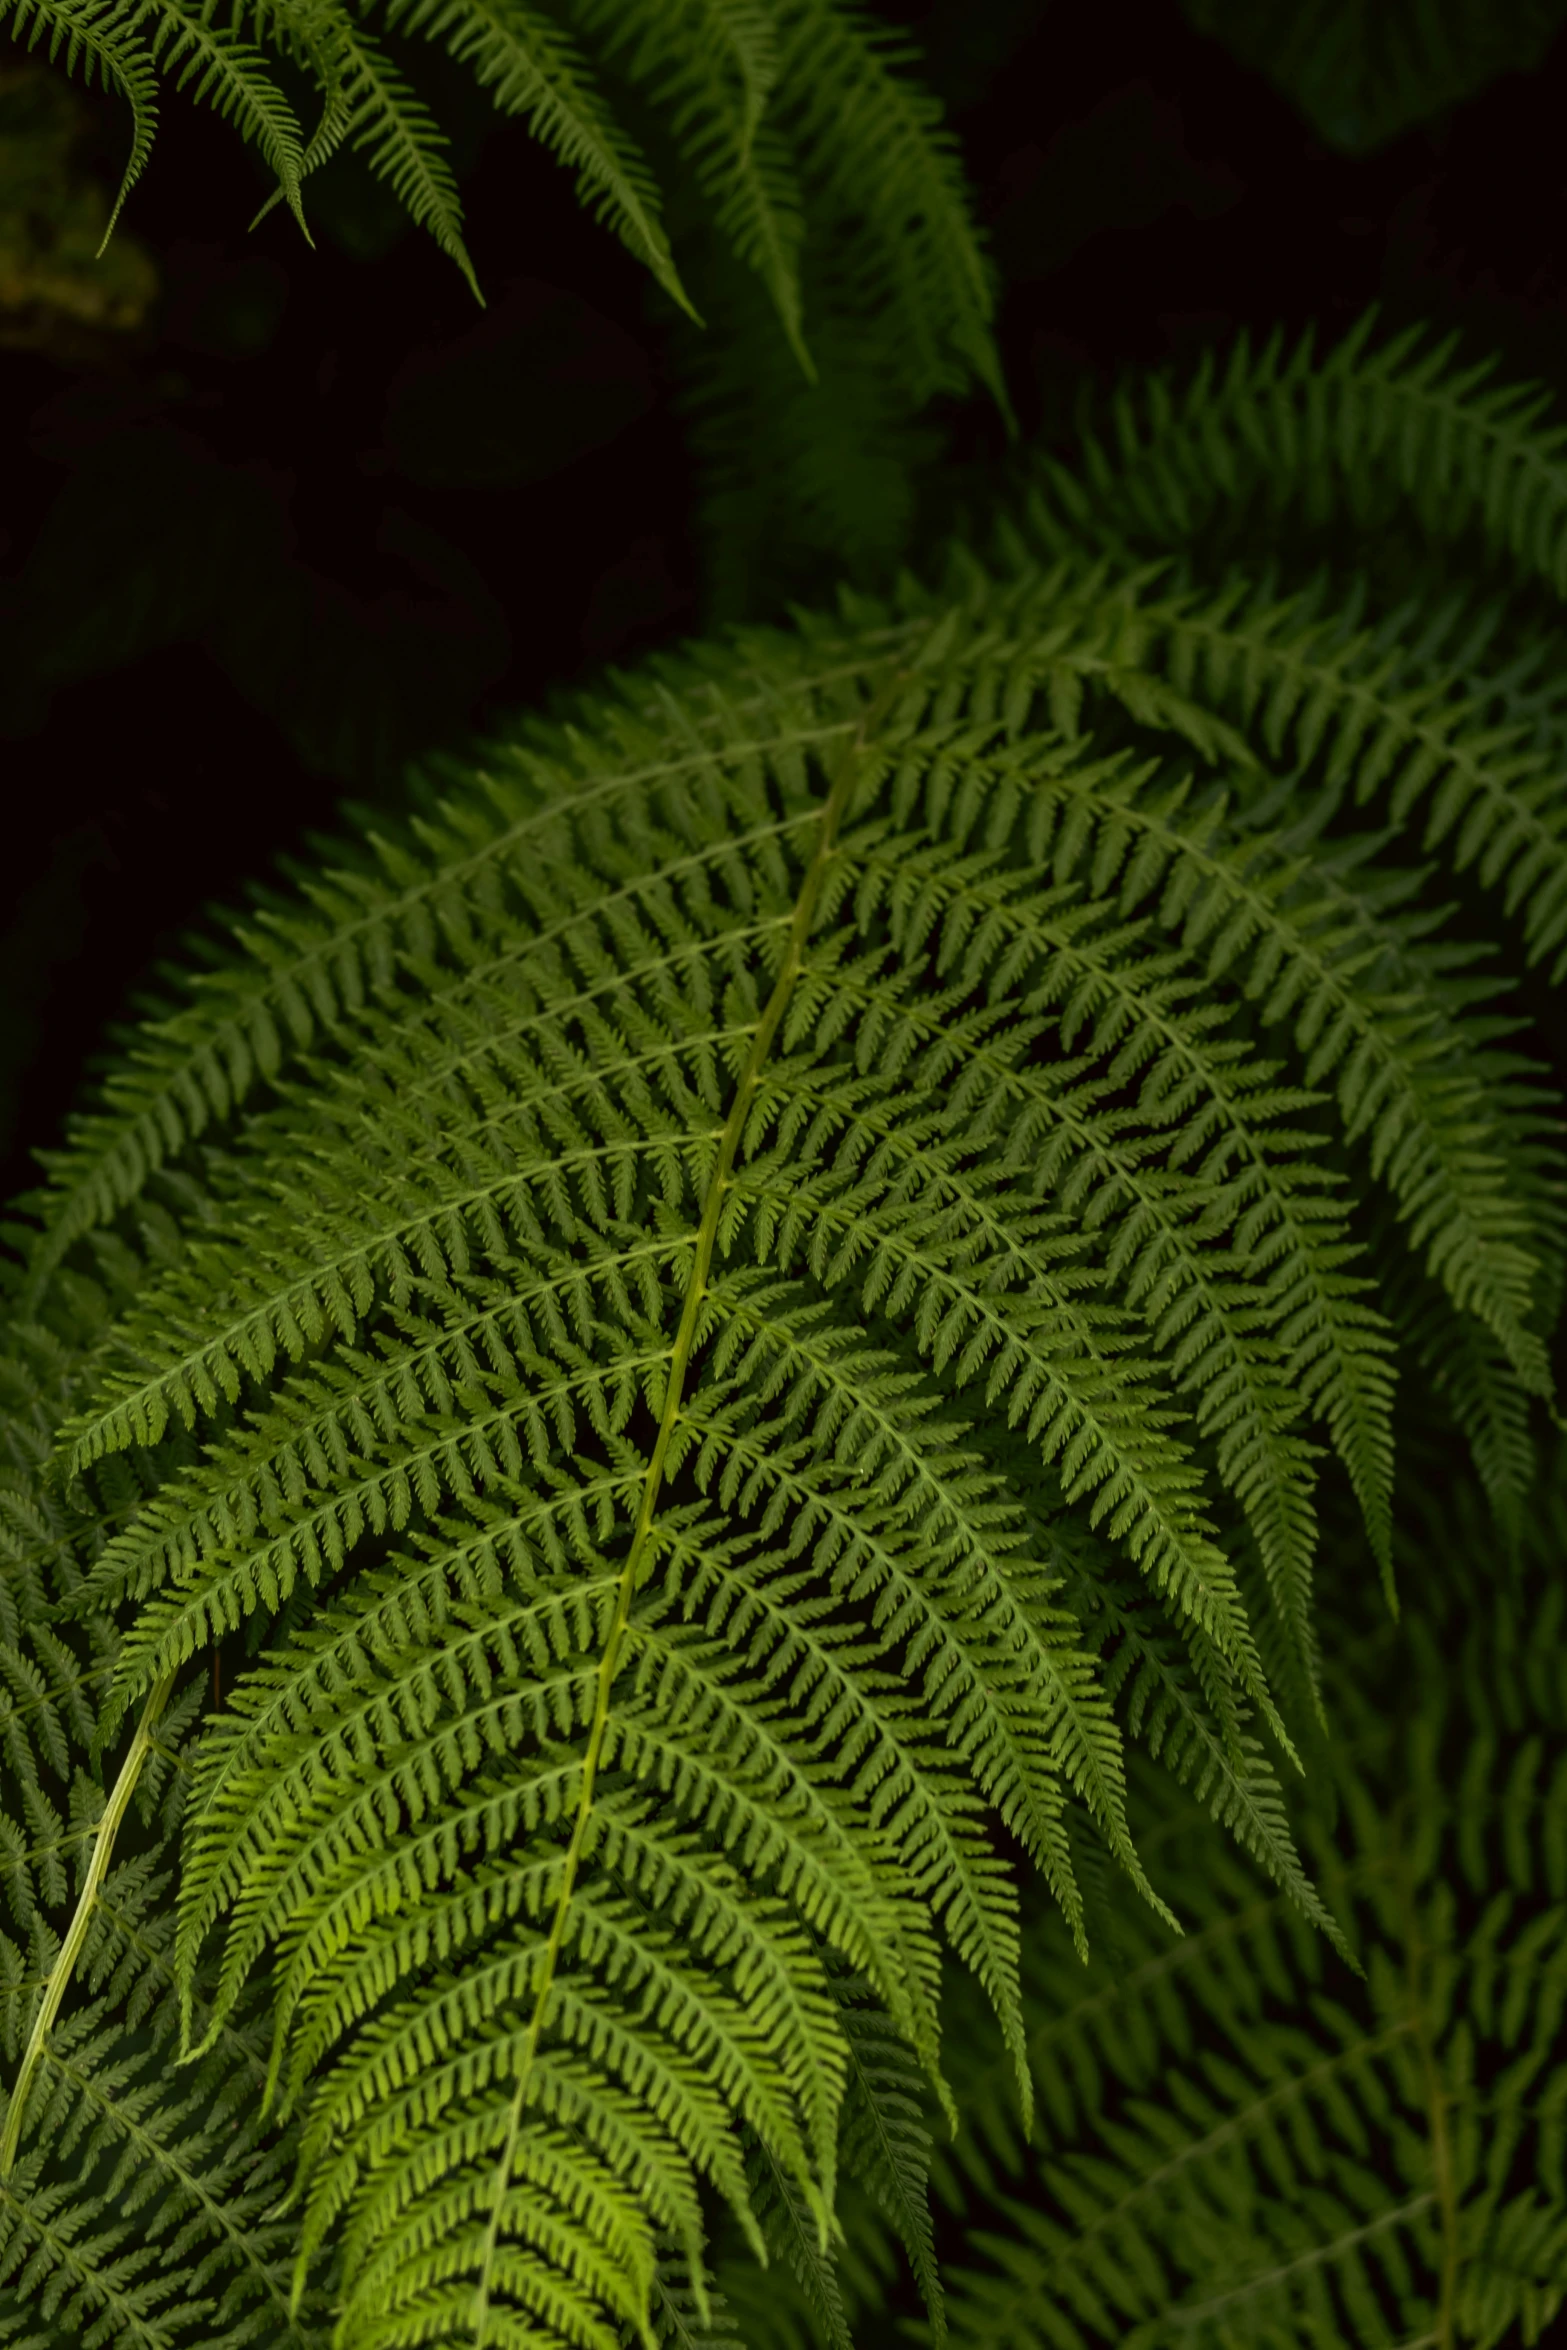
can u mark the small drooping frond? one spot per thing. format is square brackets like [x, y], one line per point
[91, 37]
[711, 1325]
[875, 158]
[196, 54]
[1362, 71]
[1241, 2144]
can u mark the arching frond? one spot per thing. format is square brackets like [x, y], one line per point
[707, 1334]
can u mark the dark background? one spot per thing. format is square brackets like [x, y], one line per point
[249, 566]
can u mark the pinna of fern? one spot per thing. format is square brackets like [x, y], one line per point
[738, 1302]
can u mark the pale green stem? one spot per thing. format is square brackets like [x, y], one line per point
[76, 1934]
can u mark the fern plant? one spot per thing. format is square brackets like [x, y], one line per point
[633, 1392]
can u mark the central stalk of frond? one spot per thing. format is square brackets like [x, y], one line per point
[766, 1029]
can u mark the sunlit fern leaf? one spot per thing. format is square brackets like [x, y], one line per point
[769, 118]
[1363, 71]
[648, 924]
[1239, 2144]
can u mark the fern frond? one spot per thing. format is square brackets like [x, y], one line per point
[371, 109]
[141, 2212]
[894, 307]
[1491, 801]
[886, 2145]
[1284, 1220]
[798, 474]
[660, 1709]
[724, 1316]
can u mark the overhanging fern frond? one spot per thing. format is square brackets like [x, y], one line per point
[370, 108]
[894, 308]
[96, 40]
[873, 150]
[774, 125]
